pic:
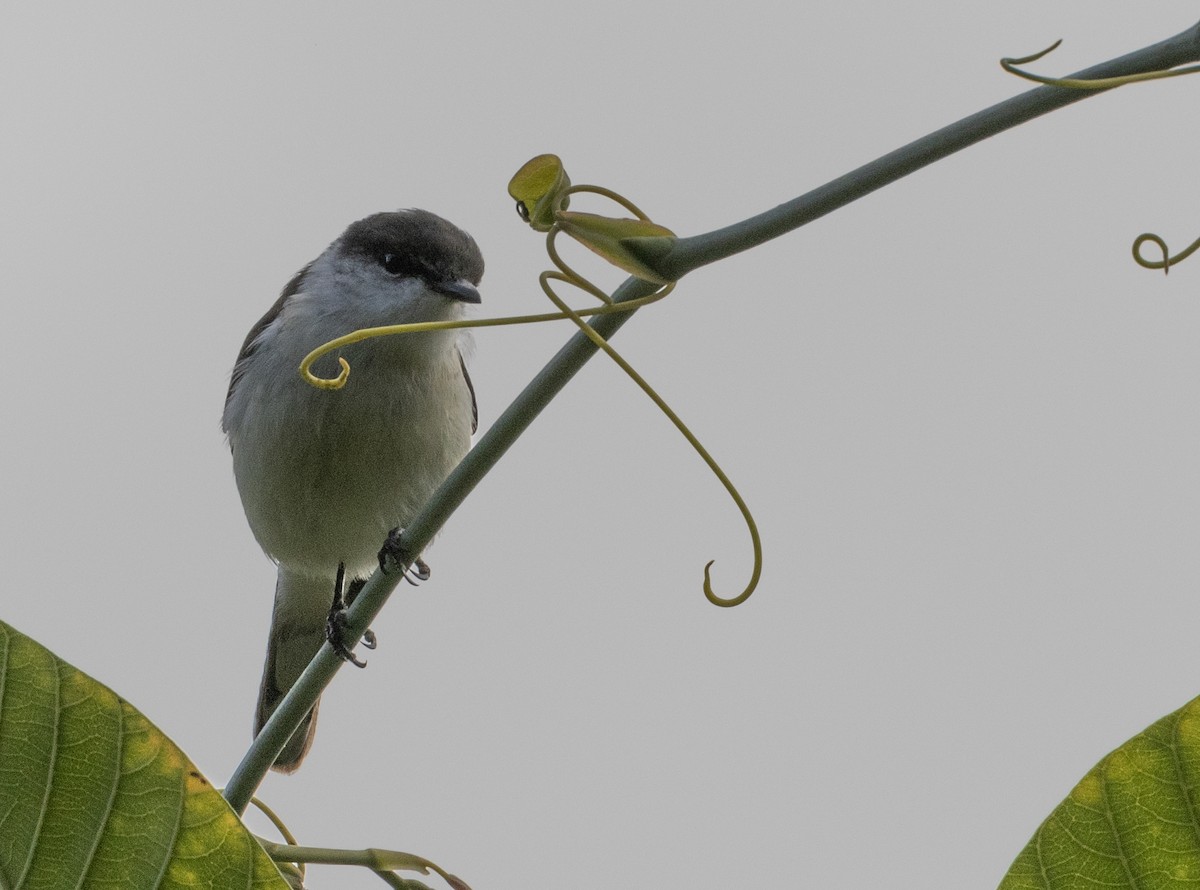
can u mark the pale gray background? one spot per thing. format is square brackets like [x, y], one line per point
[965, 420]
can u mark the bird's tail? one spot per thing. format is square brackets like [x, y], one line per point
[297, 632]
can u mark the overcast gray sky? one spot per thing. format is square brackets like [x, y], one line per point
[964, 419]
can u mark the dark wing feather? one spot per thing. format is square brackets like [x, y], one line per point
[471, 386]
[292, 288]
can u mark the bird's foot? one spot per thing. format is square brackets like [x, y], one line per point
[394, 551]
[336, 625]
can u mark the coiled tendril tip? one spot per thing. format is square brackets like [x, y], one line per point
[725, 602]
[1167, 261]
[324, 382]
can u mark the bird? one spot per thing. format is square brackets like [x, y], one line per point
[326, 476]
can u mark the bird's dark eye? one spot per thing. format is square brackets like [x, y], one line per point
[393, 264]
[522, 211]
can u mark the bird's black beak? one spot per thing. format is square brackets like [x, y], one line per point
[458, 290]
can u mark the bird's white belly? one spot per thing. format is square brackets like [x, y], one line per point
[320, 489]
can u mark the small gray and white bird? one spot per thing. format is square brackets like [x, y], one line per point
[325, 475]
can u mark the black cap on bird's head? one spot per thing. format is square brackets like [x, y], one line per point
[420, 244]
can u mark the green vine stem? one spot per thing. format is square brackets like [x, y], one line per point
[1104, 83]
[673, 261]
[382, 862]
[686, 254]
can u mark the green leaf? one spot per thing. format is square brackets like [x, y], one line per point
[1133, 821]
[93, 795]
[616, 239]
